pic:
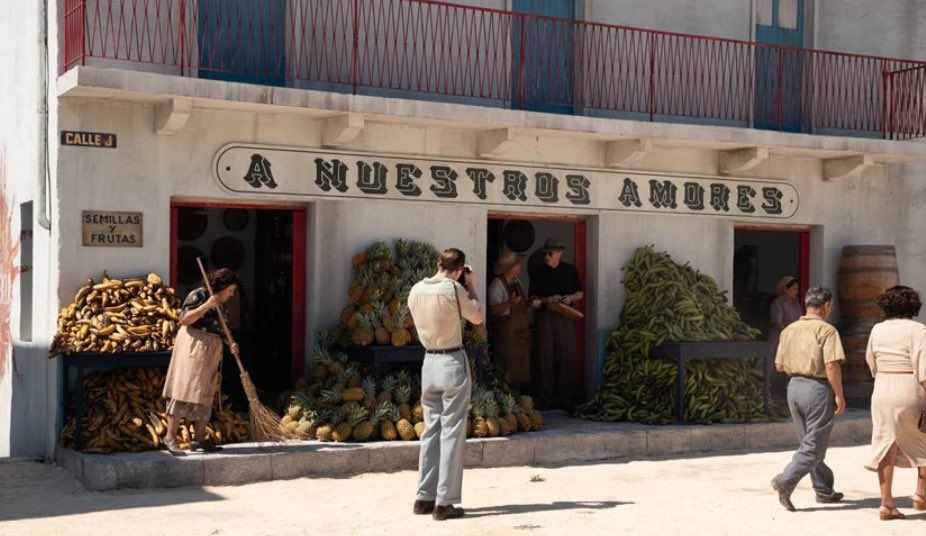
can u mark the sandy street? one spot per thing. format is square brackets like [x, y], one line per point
[709, 495]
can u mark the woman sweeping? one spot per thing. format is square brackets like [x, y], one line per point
[192, 376]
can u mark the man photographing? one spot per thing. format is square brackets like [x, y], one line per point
[437, 303]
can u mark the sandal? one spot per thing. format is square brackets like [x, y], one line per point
[919, 502]
[173, 448]
[891, 513]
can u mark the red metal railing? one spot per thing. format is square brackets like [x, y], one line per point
[428, 49]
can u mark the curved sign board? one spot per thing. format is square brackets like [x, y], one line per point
[258, 170]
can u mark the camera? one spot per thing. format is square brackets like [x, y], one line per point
[462, 279]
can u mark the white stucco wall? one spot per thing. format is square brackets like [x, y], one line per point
[28, 387]
[892, 29]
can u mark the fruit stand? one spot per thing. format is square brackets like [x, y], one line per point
[81, 362]
[377, 356]
[681, 352]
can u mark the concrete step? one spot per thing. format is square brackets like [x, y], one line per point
[564, 440]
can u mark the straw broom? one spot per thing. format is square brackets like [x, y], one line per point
[264, 424]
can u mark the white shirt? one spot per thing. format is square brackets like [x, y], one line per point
[433, 304]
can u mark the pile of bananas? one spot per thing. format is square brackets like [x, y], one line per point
[118, 315]
[671, 302]
[124, 412]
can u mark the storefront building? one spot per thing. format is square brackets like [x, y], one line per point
[284, 146]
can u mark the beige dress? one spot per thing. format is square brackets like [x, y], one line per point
[897, 345]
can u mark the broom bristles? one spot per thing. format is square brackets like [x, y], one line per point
[264, 424]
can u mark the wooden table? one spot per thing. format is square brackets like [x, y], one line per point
[84, 361]
[379, 355]
[682, 351]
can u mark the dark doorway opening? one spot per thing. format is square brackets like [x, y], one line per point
[266, 247]
[526, 235]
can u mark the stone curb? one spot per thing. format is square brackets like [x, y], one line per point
[562, 441]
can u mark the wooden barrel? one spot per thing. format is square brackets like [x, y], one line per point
[864, 273]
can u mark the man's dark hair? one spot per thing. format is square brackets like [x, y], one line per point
[451, 260]
[900, 302]
[223, 278]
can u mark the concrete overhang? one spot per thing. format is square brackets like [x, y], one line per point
[118, 85]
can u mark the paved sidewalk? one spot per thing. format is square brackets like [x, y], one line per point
[707, 495]
[563, 440]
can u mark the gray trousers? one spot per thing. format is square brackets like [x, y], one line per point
[445, 394]
[812, 408]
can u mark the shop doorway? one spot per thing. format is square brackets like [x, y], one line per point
[761, 257]
[526, 235]
[266, 247]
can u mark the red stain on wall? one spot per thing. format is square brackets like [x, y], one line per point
[8, 270]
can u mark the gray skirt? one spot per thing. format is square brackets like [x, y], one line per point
[189, 410]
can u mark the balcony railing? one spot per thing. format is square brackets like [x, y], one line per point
[440, 51]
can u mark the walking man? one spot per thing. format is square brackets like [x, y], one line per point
[810, 353]
[437, 303]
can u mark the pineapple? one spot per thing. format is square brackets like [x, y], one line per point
[365, 426]
[524, 422]
[347, 407]
[346, 314]
[402, 394]
[389, 383]
[536, 419]
[330, 397]
[324, 430]
[480, 427]
[511, 408]
[491, 414]
[286, 420]
[357, 287]
[342, 429]
[387, 413]
[337, 364]
[359, 259]
[400, 337]
[505, 427]
[365, 332]
[382, 332]
[405, 429]
[369, 393]
[353, 394]
[381, 255]
[321, 360]
[417, 412]
[305, 429]
[419, 429]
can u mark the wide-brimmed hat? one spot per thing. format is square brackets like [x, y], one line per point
[553, 243]
[506, 261]
[784, 283]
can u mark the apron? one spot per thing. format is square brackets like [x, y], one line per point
[192, 375]
[512, 337]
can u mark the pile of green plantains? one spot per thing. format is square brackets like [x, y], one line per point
[671, 302]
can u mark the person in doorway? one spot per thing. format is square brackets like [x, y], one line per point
[896, 355]
[511, 336]
[786, 307]
[436, 304]
[811, 353]
[193, 372]
[555, 282]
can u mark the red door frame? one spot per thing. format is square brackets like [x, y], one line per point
[580, 238]
[803, 254]
[297, 361]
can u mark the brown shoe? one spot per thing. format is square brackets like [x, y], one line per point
[447, 512]
[423, 507]
[784, 497]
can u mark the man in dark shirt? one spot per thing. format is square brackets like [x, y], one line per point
[555, 281]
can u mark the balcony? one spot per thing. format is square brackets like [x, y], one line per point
[430, 50]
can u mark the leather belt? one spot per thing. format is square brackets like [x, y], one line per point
[445, 350]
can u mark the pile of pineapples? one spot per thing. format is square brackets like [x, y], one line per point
[377, 310]
[343, 402]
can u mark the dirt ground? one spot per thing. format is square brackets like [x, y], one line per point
[710, 495]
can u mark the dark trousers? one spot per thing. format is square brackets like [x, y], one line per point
[556, 344]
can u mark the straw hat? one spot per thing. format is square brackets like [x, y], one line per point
[506, 261]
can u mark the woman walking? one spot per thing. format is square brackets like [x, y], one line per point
[192, 376]
[897, 357]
